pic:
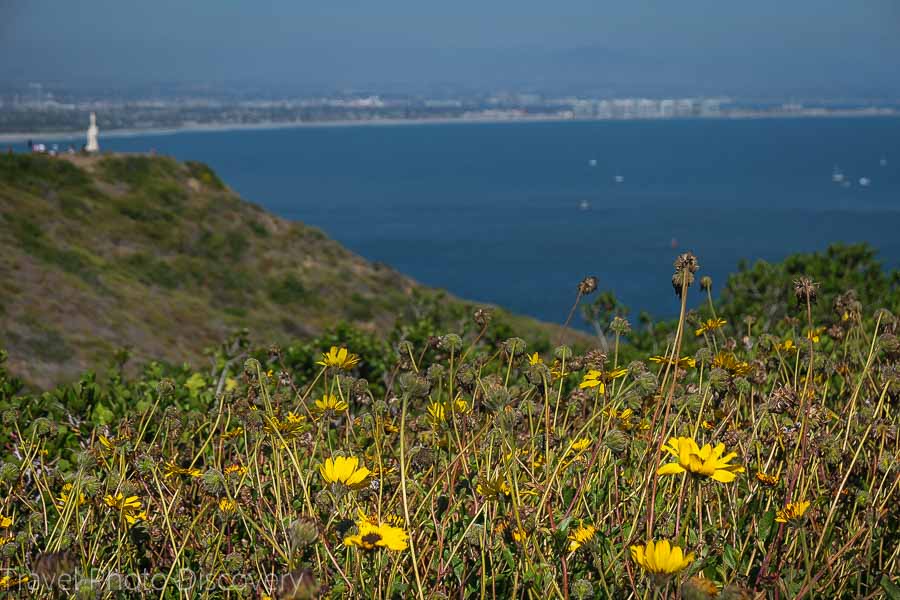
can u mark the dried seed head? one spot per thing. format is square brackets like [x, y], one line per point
[482, 317]
[782, 400]
[165, 388]
[562, 352]
[806, 290]
[251, 365]
[414, 384]
[451, 342]
[620, 326]
[582, 589]
[213, 482]
[595, 359]
[303, 532]
[616, 441]
[274, 354]
[686, 262]
[587, 286]
[685, 266]
[681, 281]
[515, 346]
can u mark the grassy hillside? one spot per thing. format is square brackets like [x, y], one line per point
[101, 253]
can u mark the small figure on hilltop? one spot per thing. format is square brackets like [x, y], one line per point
[92, 132]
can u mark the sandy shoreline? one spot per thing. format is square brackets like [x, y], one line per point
[217, 127]
[64, 136]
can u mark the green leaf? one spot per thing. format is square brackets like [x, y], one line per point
[765, 524]
[890, 588]
[730, 557]
[103, 415]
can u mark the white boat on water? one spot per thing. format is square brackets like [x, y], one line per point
[837, 176]
[620, 179]
[864, 181]
[593, 162]
[584, 205]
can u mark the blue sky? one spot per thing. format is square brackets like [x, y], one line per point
[830, 46]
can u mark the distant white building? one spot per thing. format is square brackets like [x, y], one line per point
[92, 132]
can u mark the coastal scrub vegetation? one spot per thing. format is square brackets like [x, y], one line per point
[747, 449]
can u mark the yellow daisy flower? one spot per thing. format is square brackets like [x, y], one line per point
[64, 495]
[339, 358]
[729, 362]
[525, 455]
[440, 411]
[235, 469]
[787, 345]
[661, 558]
[581, 444]
[493, 487]
[291, 425]
[706, 461]
[792, 512]
[110, 443]
[371, 535]
[580, 536]
[599, 379]
[557, 372]
[129, 507]
[813, 334]
[330, 402]
[770, 480]
[346, 470]
[232, 433]
[709, 325]
[685, 362]
[170, 470]
[8, 581]
[623, 419]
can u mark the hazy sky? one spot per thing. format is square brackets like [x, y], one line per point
[825, 46]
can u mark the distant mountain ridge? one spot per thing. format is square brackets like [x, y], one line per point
[100, 253]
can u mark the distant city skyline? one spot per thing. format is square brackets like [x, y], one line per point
[644, 47]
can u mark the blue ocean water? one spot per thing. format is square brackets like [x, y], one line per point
[515, 214]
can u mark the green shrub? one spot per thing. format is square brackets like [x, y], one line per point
[34, 242]
[38, 172]
[151, 271]
[202, 173]
[138, 171]
[258, 228]
[288, 290]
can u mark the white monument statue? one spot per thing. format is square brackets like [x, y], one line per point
[92, 145]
